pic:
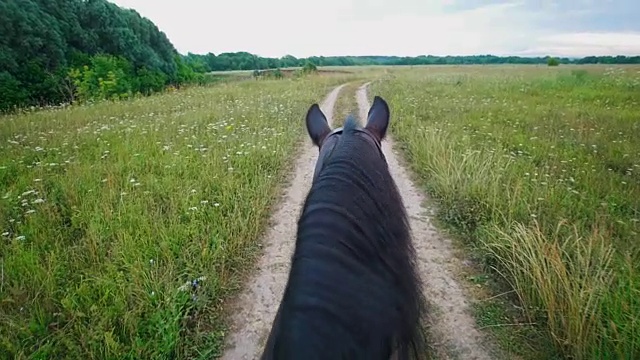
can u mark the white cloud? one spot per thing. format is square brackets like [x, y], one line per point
[488, 29]
[587, 43]
[373, 27]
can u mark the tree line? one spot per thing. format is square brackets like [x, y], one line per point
[247, 61]
[63, 51]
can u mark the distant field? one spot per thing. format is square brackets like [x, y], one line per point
[321, 69]
[540, 168]
[109, 212]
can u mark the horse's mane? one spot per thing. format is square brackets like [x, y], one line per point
[352, 283]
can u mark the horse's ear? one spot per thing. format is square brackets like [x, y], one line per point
[317, 125]
[378, 118]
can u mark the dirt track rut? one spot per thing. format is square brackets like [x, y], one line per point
[258, 303]
[452, 327]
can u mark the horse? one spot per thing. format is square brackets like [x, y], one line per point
[353, 289]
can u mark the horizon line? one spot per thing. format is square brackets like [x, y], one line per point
[410, 56]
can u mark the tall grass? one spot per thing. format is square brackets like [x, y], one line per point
[540, 168]
[125, 225]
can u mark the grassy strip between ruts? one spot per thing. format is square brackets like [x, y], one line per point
[124, 225]
[540, 168]
[346, 104]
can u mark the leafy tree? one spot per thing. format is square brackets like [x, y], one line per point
[309, 67]
[107, 77]
[13, 93]
[551, 61]
[41, 41]
[185, 74]
[150, 81]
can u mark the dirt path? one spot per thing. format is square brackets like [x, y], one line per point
[258, 303]
[452, 326]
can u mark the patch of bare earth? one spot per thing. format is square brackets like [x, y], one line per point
[453, 331]
[257, 305]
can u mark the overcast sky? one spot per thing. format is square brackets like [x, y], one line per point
[275, 28]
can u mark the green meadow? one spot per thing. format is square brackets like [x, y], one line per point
[538, 168]
[127, 225]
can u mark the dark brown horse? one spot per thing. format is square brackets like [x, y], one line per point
[353, 290]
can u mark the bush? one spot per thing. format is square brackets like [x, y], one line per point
[309, 67]
[107, 77]
[553, 61]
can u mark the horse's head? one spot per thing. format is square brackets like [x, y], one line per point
[353, 254]
[326, 139]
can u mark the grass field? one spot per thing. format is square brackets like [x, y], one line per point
[125, 225]
[540, 169]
